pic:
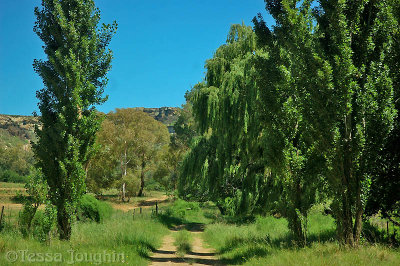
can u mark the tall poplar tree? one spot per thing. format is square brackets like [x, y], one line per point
[74, 77]
[337, 55]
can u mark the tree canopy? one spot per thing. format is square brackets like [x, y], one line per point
[291, 114]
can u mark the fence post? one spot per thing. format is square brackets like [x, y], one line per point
[140, 210]
[156, 208]
[134, 213]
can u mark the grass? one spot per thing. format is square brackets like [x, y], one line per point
[122, 233]
[259, 241]
[11, 185]
[119, 235]
[267, 241]
[330, 254]
[183, 242]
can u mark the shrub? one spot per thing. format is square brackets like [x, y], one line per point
[44, 223]
[12, 176]
[90, 208]
[26, 217]
[180, 208]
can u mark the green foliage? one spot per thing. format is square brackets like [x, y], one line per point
[130, 143]
[90, 208]
[74, 77]
[298, 113]
[37, 189]
[168, 163]
[180, 208]
[44, 224]
[25, 219]
[252, 156]
[12, 176]
[333, 61]
[119, 234]
[132, 184]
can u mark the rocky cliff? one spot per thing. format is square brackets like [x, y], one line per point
[23, 126]
[19, 126]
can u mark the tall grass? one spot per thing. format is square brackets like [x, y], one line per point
[330, 254]
[183, 242]
[120, 234]
[267, 241]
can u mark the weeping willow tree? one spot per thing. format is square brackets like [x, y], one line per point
[253, 155]
[219, 166]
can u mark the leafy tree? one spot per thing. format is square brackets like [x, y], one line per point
[104, 168]
[385, 188]
[224, 164]
[336, 63]
[130, 141]
[185, 127]
[74, 79]
[253, 155]
[171, 157]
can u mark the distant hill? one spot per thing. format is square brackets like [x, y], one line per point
[23, 126]
[18, 126]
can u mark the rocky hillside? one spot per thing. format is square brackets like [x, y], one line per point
[18, 126]
[166, 115]
[23, 126]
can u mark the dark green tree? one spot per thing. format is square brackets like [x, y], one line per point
[337, 63]
[385, 188]
[74, 77]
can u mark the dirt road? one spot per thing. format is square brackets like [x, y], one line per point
[200, 254]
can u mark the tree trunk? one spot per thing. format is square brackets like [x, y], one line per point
[140, 193]
[123, 192]
[64, 223]
[358, 219]
[345, 217]
[346, 233]
[346, 225]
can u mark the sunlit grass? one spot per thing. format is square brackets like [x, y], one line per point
[267, 241]
[121, 234]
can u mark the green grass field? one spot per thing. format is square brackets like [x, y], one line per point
[261, 241]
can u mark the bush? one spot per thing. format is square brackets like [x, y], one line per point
[39, 224]
[26, 217]
[44, 223]
[90, 208]
[181, 208]
[12, 176]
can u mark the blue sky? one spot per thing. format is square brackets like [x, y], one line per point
[159, 49]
